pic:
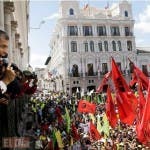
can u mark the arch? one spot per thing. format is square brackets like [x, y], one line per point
[100, 46]
[71, 11]
[114, 45]
[73, 46]
[106, 45]
[126, 13]
[86, 46]
[119, 45]
[129, 45]
[75, 70]
[92, 46]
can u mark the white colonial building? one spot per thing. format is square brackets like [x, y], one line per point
[83, 42]
[14, 19]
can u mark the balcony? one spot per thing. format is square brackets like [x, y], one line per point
[91, 74]
[128, 34]
[82, 74]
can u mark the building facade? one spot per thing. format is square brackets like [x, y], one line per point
[14, 19]
[85, 39]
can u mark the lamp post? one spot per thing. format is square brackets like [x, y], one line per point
[40, 24]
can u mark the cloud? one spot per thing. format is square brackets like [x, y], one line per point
[143, 23]
[38, 60]
[51, 17]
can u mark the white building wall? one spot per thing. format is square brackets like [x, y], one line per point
[62, 57]
[14, 19]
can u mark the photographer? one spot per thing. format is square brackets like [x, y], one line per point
[29, 82]
[7, 75]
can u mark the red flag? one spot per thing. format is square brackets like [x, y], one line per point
[126, 100]
[143, 128]
[59, 115]
[141, 99]
[86, 107]
[110, 110]
[137, 73]
[95, 135]
[142, 77]
[75, 134]
[104, 81]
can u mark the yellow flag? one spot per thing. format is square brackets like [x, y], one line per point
[105, 127]
[92, 117]
[59, 139]
[99, 127]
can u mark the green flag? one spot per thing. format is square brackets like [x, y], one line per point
[67, 120]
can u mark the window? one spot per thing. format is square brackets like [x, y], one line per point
[73, 46]
[101, 30]
[75, 70]
[86, 46]
[114, 45]
[71, 11]
[119, 65]
[92, 46]
[144, 69]
[106, 45]
[72, 30]
[129, 45]
[87, 30]
[90, 70]
[119, 46]
[100, 46]
[115, 31]
[104, 68]
[126, 14]
[127, 31]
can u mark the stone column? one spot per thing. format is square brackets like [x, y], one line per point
[8, 9]
[14, 50]
[1, 15]
[17, 36]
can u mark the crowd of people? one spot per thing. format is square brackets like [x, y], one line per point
[49, 128]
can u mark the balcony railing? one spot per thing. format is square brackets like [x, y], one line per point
[82, 74]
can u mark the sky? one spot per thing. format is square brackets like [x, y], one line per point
[44, 14]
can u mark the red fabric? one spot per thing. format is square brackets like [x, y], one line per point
[59, 115]
[110, 110]
[86, 107]
[145, 122]
[142, 77]
[126, 100]
[26, 89]
[138, 74]
[141, 99]
[95, 135]
[104, 81]
[134, 80]
[75, 132]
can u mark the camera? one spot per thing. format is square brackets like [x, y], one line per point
[3, 61]
[33, 76]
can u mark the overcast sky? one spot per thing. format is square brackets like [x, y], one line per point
[48, 11]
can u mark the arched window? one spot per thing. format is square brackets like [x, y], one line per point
[92, 46]
[106, 45]
[114, 45]
[75, 70]
[73, 46]
[86, 46]
[126, 14]
[100, 47]
[71, 11]
[129, 45]
[119, 46]
[90, 69]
